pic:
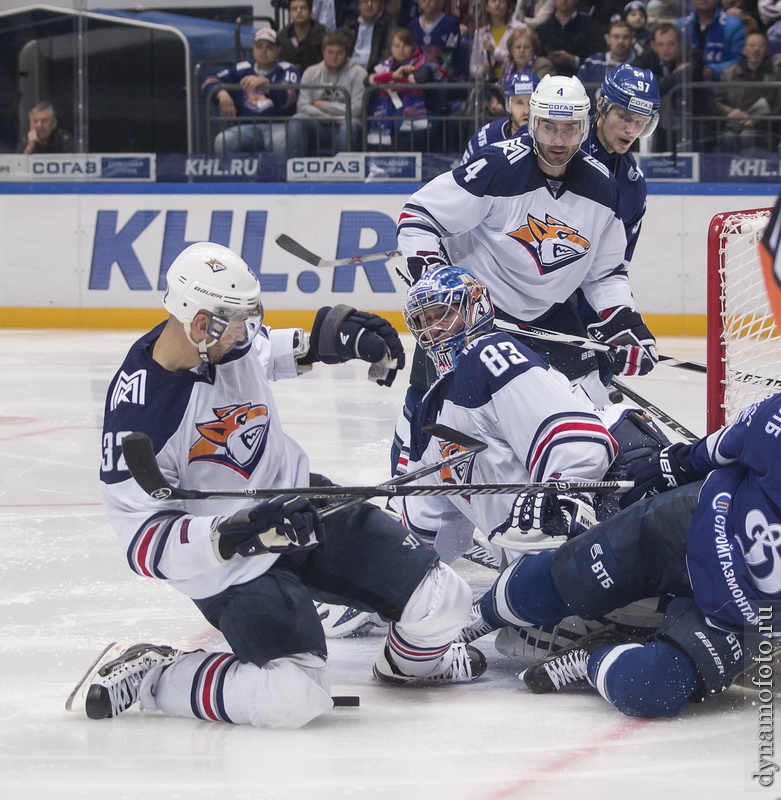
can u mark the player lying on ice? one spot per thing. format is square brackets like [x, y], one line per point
[496, 389]
[199, 386]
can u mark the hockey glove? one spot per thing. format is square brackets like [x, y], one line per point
[635, 352]
[418, 264]
[663, 470]
[287, 523]
[341, 333]
[540, 521]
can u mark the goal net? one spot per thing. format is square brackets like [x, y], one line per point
[744, 348]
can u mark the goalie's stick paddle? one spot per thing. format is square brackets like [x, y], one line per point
[656, 412]
[299, 251]
[141, 462]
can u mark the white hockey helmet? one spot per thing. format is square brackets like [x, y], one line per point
[561, 99]
[210, 277]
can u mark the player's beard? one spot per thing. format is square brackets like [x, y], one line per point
[555, 156]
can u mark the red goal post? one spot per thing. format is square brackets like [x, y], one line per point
[744, 348]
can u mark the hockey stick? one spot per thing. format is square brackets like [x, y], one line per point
[584, 343]
[299, 251]
[656, 412]
[142, 464]
[470, 447]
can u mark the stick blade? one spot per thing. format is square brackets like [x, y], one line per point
[299, 251]
[139, 453]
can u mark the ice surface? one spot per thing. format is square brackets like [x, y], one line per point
[66, 591]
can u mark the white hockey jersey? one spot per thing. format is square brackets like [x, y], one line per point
[215, 427]
[531, 240]
[536, 429]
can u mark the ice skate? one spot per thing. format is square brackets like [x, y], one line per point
[569, 665]
[342, 621]
[111, 685]
[476, 626]
[467, 664]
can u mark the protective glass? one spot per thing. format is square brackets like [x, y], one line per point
[569, 133]
[636, 125]
[236, 328]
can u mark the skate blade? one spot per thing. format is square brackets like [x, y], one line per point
[109, 653]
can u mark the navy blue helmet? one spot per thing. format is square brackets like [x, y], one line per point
[635, 90]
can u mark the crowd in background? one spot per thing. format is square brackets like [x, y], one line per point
[360, 63]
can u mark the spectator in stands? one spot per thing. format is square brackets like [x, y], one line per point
[603, 12]
[717, 35]
[662, 11]
[770, 16]
[369, 34]
[620, 39]
[324, 11]
[254, 98]
[43, 135]
[489, 47]
[302, 40]
[437, 34]
[635, 14]
[569, 37]
[525, 53]
[666, 61]
[401, 114]
[737, 8]
[769, 12]
[533, 12]
[345, 11]
[320, 125]
[747, 108]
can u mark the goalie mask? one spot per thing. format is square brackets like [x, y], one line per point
[212, 278]
[445, 310]
[635, 91]
[558, 116]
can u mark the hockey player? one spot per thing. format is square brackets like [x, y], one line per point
[712, 549]
[535, 219]
[627, 108]
[518, 88]
[494, 388]
[198, 385]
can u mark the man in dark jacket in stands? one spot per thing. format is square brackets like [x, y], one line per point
[43, 135]
[302, 40]
[369, 34]
[569, 37]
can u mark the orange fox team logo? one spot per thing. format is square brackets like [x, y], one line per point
[235, 439]
[552, 244]
[215, 265]
[457, 473]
